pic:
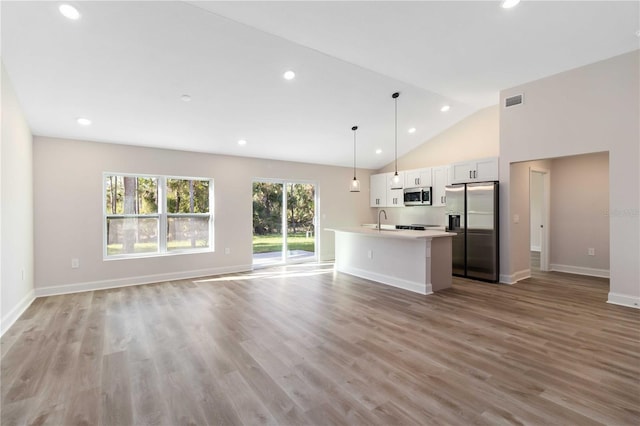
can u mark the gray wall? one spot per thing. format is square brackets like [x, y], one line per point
[579, 214]
[16, 215]
[68, 210]
[591, 109]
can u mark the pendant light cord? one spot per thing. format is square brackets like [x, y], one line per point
[395, 97]
[396, 143]
[354, 128]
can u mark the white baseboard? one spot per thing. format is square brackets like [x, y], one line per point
[580, 270]
[515, 277]
[416, 287]
[535, 248]
[145, 279]
[624, 300]
[8, 319]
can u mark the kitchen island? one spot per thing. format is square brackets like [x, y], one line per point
[418, 261]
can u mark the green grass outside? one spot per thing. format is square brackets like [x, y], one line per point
[273, 243]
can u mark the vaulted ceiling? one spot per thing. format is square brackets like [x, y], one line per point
[126, 66]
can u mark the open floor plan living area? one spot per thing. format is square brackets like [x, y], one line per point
[320, 213]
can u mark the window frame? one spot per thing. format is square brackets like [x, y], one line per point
[162, 215]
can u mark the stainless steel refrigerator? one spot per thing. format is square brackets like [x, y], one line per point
[472, 213]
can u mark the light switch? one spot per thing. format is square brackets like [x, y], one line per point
[516, 218]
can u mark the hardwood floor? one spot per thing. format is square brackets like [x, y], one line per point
[302, 345]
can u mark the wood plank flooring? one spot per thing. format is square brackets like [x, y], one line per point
[302, 345]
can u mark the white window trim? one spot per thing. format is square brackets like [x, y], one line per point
[162, 216]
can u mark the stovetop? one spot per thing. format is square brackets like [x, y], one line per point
[417, 227]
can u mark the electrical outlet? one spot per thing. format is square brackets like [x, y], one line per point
[227, 250]
[370, 254]
[516, 218]
[591, 252]
[75, 263]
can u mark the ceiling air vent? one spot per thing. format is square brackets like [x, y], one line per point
[513, 101]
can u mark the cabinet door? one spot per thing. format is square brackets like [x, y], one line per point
[425, 178]
[390, 182]
[378, 190]
[417, 178]
[462, 172]
[486, 169]
[440, 181]
[411, 178]
[395, 196]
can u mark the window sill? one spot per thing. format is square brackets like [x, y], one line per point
[153, 255]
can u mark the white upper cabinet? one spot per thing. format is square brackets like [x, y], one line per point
[393, 184]
[383, 192]
[395, 193]
[417, 178]
[378, 190]
[438, 189]
[482, 170]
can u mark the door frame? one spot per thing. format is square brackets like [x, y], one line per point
[546, 215]
[316, 220]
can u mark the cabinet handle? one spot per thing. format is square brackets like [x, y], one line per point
[475, 173]
[470, 174]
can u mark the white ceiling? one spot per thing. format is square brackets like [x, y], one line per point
[125, 66]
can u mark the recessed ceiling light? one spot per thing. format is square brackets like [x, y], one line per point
[508, 4]
[378, 151]
[83, 121]
[445, 108]
[185, 98]
[69, 11]
[412, 130]
[242, 142]
[289, 75]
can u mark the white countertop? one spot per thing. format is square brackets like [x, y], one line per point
[393, 233]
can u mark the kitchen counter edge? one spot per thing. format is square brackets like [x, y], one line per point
[385, 233]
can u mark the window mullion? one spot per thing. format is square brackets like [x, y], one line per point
[162, 212]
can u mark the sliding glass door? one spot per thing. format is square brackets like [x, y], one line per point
[283, 222]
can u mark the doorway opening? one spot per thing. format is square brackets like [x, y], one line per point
[539, 214]
[284, 222]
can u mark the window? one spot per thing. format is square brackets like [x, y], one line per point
[155, 215]
[187, 214]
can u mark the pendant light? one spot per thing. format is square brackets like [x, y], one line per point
[395, 181]
[355, 183]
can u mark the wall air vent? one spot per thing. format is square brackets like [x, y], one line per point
[513, 101]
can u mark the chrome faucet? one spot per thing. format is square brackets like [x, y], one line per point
[385, 218]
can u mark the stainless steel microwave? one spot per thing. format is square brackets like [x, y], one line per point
[417, 196]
